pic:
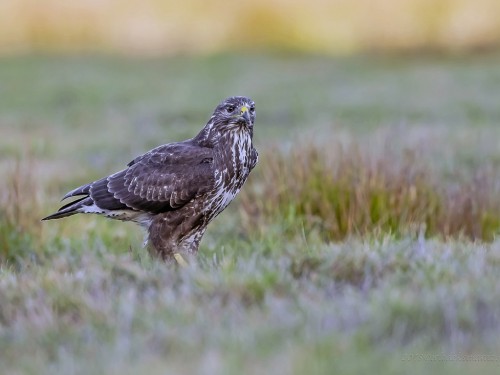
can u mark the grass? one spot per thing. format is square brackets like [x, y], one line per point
[367, 187]
[345, 306]
[336, 26]
[365, 239]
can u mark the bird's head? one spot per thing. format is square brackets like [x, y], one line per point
[234, 112]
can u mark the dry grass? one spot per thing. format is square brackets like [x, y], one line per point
[340, 191]
[20, 210]
[172, 27]
[80, 296]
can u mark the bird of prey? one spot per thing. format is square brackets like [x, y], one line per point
[176, 189]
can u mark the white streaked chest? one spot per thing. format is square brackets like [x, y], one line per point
[231, 169]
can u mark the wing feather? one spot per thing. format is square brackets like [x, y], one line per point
[163, 179]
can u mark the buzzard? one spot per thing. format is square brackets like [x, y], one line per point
[176, 189]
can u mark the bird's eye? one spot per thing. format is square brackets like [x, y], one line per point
[230, 108]
[252, 109]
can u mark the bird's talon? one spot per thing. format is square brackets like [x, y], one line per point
[180, 260]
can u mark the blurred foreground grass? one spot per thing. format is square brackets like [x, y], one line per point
[253, 306]
[396, 159]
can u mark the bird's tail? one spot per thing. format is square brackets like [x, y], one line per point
[69, 209]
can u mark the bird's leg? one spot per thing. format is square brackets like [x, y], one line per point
[180, 260]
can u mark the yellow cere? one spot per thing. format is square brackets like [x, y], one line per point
[244, 109]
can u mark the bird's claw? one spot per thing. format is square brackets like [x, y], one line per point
[180, 260]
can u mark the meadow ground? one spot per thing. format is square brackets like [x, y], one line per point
[365, 239]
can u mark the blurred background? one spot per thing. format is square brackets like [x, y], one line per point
[373, 116]
[367, 233]
[153, 27]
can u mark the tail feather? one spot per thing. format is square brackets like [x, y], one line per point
[82, 190]
[68, 209]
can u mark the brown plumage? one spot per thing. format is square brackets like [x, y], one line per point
[176, 189]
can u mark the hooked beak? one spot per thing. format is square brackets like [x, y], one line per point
[245, 115]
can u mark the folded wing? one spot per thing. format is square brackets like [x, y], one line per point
[163, 179]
